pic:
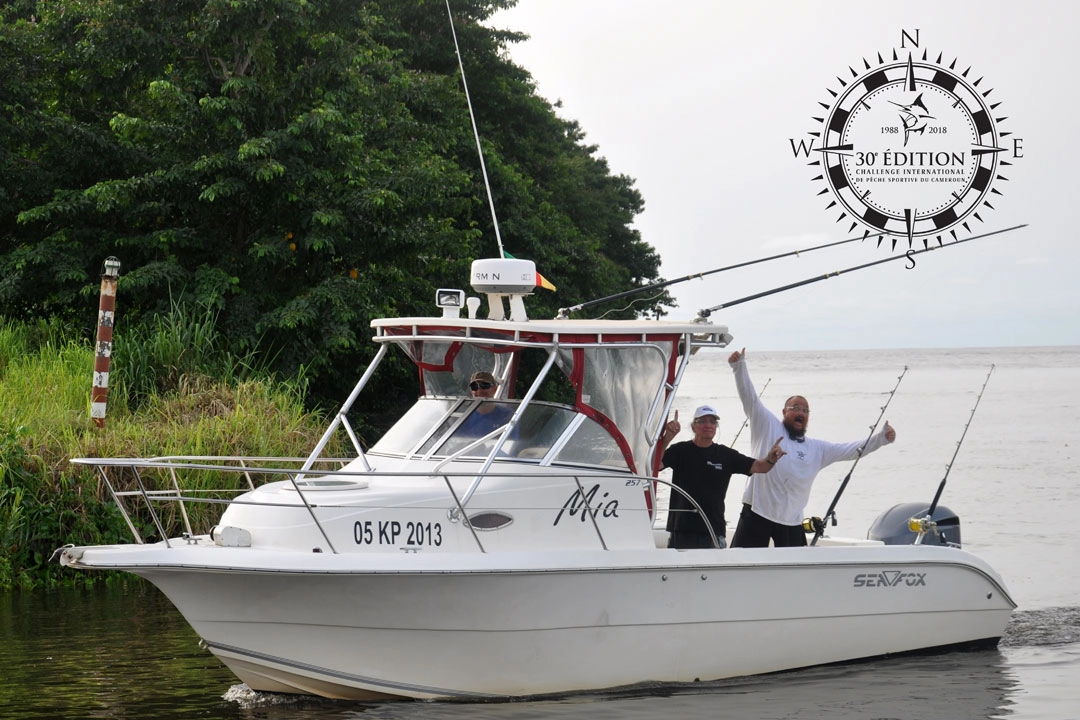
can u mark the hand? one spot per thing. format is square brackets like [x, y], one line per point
[776, 452]
[672, 428]
[736, 356]
[890, 433]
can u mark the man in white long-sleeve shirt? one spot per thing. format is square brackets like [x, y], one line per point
[774, 503]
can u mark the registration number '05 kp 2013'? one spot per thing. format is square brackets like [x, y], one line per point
[397, 533]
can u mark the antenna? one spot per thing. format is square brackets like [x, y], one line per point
[476, 133]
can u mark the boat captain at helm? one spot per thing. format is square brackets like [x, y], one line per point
[483, 384]
[774, 502]
[488, 415]
[703, 469]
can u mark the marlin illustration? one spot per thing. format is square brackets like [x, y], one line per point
[914, 122]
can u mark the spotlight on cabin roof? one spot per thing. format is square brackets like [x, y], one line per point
[451, 301]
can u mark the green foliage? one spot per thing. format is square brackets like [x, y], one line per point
[300, 168]
[206, 403]
[12, 513]
[33, 514]
[169, 350]
[37, 508]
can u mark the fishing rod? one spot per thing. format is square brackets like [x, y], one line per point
[702, 314]
[564, 313]
[925, 524]
[830, 514]
[747, 420]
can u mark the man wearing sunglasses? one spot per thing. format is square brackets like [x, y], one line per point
[774, 502]
[488, 415]
[702, 469]
[483, 384]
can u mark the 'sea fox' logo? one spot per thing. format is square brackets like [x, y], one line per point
[890, 578]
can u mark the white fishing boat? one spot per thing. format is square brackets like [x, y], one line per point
[508, 547]
[522, 559]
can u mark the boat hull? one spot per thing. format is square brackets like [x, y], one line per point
[498, 626]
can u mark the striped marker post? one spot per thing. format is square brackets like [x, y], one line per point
[106, 318]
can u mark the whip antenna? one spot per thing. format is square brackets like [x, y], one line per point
[830, 514]
[476, 133]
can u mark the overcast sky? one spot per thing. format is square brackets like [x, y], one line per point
[698, 100]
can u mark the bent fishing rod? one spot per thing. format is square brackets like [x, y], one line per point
[705, 313]
[564, 313]
[926, 524]
[830, 514]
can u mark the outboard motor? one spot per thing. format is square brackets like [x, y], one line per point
[892, 527]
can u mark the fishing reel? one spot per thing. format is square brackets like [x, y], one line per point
[914, 524]
[814, 525]
[925, 527]
[922, 525]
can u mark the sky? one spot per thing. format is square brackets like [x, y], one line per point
[699, 101]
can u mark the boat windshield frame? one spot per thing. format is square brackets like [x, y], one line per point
[447, 428]
[645, 362]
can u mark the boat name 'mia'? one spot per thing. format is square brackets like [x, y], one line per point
[577, 502]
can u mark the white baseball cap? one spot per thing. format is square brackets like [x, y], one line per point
[704, 410]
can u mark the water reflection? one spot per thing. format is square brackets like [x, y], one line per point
[121, 651]
[124, 651]
[956, 686]
[959, 686]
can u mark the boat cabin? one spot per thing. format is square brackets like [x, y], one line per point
[571, 432]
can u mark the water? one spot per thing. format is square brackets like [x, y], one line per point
[124, 652]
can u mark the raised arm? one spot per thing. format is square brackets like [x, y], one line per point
[835, 452]
[751, 402]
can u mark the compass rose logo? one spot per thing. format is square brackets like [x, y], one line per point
[910, 148]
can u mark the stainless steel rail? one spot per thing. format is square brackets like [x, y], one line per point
[174, 469]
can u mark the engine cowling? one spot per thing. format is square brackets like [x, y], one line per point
[893, 526]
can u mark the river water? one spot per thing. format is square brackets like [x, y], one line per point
[122, 651]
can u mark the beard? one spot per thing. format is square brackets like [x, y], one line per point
[794, 433]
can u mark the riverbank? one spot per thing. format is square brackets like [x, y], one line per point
[173, 394]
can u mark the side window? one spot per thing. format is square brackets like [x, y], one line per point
[540, 427]
[592, 445]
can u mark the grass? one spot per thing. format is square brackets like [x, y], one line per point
[172, 392]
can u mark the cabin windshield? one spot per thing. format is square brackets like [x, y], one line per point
[617, 382]
[547, 433]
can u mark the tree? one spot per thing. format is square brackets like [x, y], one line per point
[301, 167]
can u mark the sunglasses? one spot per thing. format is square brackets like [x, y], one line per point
[480, 385]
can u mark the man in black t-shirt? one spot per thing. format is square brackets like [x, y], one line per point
[703, 469]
